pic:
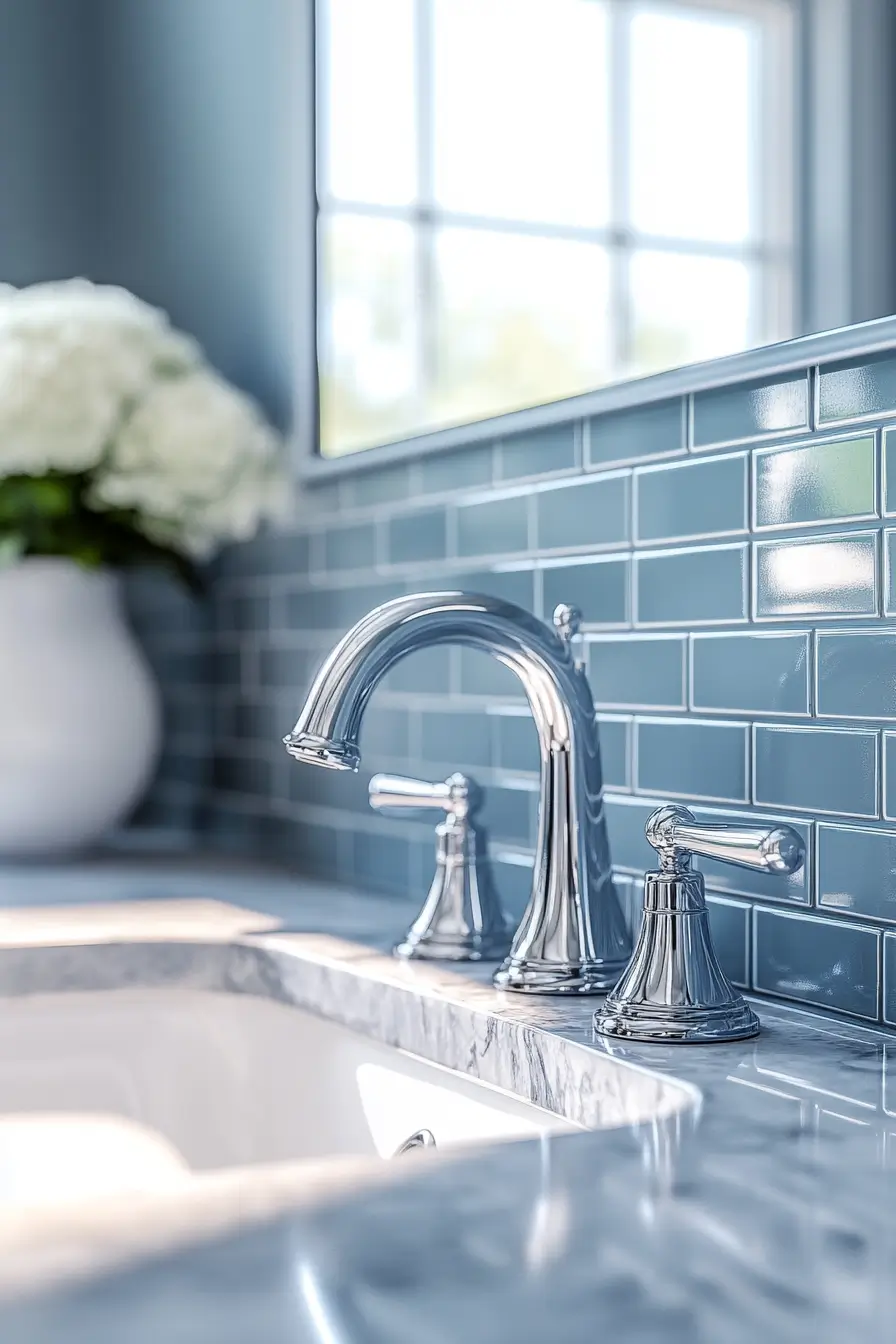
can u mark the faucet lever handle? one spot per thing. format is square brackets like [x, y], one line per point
[461, 918]
[457, 796]
[675, 834]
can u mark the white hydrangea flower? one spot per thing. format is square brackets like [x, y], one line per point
[74, 357]
[197, 462]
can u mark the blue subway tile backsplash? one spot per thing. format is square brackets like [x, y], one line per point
[599, 588]
[540, 452]
[730, 923]
[422, 535]
[493, 526]
[738, 595]
[698, 586]
[855, 871]
[693, 758]
[750, 410]
[815, 483]
[826, 962]
[624, 437]
[594, 513]
[830, 770]
[706, 498]
[855, 674]
[825, 577]
[638, 671]
[757, 673]
[857, 388]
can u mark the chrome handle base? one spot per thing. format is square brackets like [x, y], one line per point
[461, 918]
[674, 989]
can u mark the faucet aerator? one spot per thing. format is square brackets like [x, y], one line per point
[321, 752]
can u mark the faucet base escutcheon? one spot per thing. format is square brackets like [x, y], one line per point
[526, 976]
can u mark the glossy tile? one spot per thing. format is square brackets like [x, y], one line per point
[383, 485]
[515, 739]
[387, 860]
[513, 585]
[815, 483]
[267, 554]
[427, 671]
[585, 512]
[888, 455]
[830, 576]
[513, 880]
[493, 526]
[599, 588]
[889, 541]
[655, 430]
[417, 536]
[540, 452]
[455, 741]
[731, 927]
[812, 960]
[289, 668]
[857, 871]
[889, 789]
[350, 547]
[857, 388]
[631, 897]
[451, 473]
[614, 735]
[827, 770]
[748, 410]
[386, 734]
[889, 985]
[638, 671]
[759, 673]
[338, 608]
[855, 673]
[508, 814]
[691, 587]
[692, 758]
[626, 819]
[481, 674]
[683, 500]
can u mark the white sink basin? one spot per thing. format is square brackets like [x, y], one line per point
[137, 1090]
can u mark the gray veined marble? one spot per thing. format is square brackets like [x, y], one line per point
[746, 1191]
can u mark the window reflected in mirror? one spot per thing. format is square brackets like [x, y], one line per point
[522, 200]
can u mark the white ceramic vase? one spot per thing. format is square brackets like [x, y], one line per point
[80, 720]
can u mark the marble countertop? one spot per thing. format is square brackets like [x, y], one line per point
[761, 1204]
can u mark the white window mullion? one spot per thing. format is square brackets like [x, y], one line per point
[426, 296]
[620, 196]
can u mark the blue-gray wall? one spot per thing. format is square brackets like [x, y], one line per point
[732, 554]
[50, 169]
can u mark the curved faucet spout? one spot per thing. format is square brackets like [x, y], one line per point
[572, 938]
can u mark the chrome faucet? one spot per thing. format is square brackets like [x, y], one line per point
[674, 988]
[572, 938]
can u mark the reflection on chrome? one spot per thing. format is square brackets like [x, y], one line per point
[572, 939]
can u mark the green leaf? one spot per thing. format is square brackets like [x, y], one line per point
[34, 497]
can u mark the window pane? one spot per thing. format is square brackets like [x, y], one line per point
[687, 308]
[367, 337]
[693, 108]
[520, 119]
[520, 320]
[366, 78]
